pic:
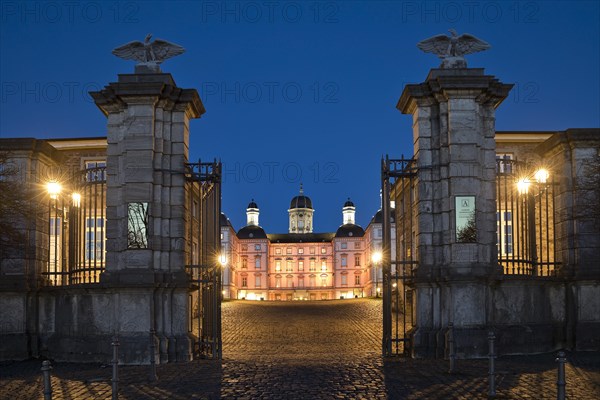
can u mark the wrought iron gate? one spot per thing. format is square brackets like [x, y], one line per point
[525, 217]
[398, 261]
[204, 245]
[76, 227]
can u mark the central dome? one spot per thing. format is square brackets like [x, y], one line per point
[301, 201]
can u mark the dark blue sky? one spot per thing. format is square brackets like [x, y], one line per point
[296, 91]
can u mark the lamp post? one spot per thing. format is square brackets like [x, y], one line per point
[523, 187]
[376, 258]
[63, 228]
[223, 263]
[54, 189]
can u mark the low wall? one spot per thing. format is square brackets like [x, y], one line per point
[78, 324]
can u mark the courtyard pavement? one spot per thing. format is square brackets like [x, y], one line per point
[308, 350]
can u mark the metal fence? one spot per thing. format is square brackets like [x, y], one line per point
[525, 219]
[76, 247]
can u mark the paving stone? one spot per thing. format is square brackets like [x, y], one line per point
[308, 350]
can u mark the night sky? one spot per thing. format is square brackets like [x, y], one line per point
[300, 91]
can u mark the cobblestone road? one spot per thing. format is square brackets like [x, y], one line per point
[308, 350]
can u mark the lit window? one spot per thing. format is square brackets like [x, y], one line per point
[56, 244]
[324, 281]
[312, 265]
[323, 250]
[288, 266]
[278, 265]
[96, 171]
[277, 251]
[504, 163]
[300, 250]
[300, 265]
[504, 228]
[95, 240]
[323, 265]
[195, 253]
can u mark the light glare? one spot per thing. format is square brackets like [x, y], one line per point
[542, 175]
[53, 189]
[76, 199]
[376, 257]
[523, 186]
[223, 259]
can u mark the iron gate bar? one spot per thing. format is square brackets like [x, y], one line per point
[204, 181]
[526, 221]
[73, 257]
[396, 301]
[386, 344]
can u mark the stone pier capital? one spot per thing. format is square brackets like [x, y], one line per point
[145, 89]
[453, 83]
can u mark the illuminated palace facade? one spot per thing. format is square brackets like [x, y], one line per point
[301, 264]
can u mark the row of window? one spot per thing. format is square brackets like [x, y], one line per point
[312, 281]
[311, 264]
[288, 250]
[312, 250]
[344, 260]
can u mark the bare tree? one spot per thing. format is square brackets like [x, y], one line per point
[15, 208]
[137, 230]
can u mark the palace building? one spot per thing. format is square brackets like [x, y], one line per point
[301, 264]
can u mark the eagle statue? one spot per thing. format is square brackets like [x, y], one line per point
[451, 49]
[148, 54]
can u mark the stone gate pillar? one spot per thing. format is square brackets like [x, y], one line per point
[148, 140]
[455, 207]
